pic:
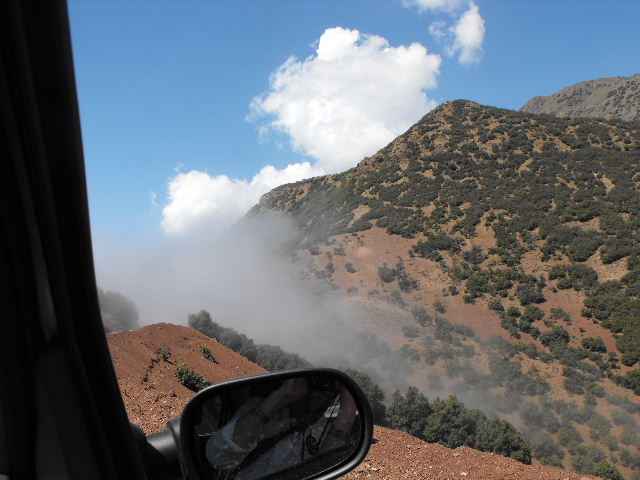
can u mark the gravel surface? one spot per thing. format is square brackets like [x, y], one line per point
[397, 455]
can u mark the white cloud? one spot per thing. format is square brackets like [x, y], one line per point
[437, 5]
[463, 33]
[438, 29]
[356, 94]
[198, 200]
[469, 35]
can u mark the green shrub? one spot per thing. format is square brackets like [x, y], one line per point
[499, 436]
[543, 447]
[387, 274]
[629, 345]
[622, 417]
[573, 385]
[406, 283]
[269, 357]
[576, 243]
[474, 256]
[594, 344]
[539, 417]
[613, 224]
[528, 293]
[568, 435]
[496, 305]
[577, 276]
[274, 358]
[586, 457]
[410, 331]
[629, 435]
[532, 313]
[606, 470]
[190, 378]
[439, 306]
[560, 314]
[421, 316]
[599, 425]
[206, 353]
[409, 412]
[595, 389]
[556, 335]
[395, 298]
[434, 243]
[615, 249]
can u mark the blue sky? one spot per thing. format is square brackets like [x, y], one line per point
[166, 88]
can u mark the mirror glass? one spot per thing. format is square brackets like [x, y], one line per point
[280, 428]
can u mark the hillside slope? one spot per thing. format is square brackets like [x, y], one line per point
[614, 98]
[144, 361]
[499, 252]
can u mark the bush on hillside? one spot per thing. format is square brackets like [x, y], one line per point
[421, 316]
[496, 305]
[439, 306]
[190, 378]
[615, 249]
[528, 293]
[499, 436]
[449, 423]
[118, 311]
[409, 412]
[206, 353]
[556, 335]
[543, 447]
[274, 358]
[577, 276]
[269, 357]
[608, 471]
[594, 344]
[387, 274]
[568, 435]
[586, 457]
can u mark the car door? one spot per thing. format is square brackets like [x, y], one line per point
[61, 414]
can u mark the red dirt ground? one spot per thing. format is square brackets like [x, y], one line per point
[152, 402]
[397, 455]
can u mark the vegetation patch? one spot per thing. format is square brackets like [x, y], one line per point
[190, 378]
[206, 353]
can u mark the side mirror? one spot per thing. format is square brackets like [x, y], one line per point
[299, 424]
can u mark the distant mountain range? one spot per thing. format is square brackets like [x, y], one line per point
[614, 98]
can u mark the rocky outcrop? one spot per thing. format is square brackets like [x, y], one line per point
[614, 98]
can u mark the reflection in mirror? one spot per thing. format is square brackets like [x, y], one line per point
[291, 428]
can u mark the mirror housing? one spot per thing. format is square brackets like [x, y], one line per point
[309, 423]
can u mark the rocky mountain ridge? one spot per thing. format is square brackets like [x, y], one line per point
[613, 98]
